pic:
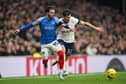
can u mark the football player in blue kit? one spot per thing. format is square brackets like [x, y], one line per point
[48, 25]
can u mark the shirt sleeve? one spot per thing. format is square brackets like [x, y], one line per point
[28, 26]
[76, 20]
[57, 20]
[37, 21]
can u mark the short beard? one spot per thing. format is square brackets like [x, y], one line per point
[50, 17]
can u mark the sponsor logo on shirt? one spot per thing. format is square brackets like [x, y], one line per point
[67, 31]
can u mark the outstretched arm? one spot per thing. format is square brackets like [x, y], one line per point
[24, 28]
[92, 26]
[28, 26]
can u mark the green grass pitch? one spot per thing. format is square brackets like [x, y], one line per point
[90, 78]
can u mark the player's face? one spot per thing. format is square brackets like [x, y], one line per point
[67, 18]
[51, 13]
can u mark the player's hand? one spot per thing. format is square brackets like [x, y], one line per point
[17, 31]
[100, 29]
[63, 25]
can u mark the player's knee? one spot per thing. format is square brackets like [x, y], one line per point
[60, 53]
[44, 53]
[63, 48]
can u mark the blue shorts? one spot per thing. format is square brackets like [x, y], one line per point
[69, 47]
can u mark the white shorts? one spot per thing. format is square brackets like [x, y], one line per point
[47, 49]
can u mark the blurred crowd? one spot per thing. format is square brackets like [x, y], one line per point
[17, 13]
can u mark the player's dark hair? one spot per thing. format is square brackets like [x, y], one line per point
[66, 12]
[49, 8]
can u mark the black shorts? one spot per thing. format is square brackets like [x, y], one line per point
[69, 47]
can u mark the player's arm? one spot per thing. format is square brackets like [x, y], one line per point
[58, 29]
[24, 28]
[62, 25]
[28, 26]
[91, 26]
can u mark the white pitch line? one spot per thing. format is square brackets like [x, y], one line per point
[36, 77]
[12, 78]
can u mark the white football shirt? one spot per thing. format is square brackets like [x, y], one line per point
[66, 34]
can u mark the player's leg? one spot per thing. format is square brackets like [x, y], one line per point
[61, 63]
[56, 47]
[69, 48]
[63, 48]
[57, 57]
[45, 55]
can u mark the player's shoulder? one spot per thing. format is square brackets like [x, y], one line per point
[56, 18]
[73, 18]
[60, 19]
[41, 18]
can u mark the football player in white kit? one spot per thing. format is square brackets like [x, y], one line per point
[66, 36]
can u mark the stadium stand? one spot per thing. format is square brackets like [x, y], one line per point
[16, 13]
